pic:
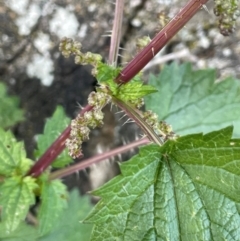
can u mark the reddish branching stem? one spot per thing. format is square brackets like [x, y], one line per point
[54, 150]
[136, 65]
[159, 41]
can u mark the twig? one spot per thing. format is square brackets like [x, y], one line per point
[116, 32]
[93, 160]
[185, 53]
[136, 65]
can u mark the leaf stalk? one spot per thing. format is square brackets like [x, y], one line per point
[96, 159]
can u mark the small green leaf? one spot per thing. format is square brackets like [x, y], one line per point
[53, 128]
[10, 114]
[68, 226]
[53, 202]
[185, 190]
[13, 159]
[192, 102]
[106, 73]
[130, 91]
[16, 196]
[134, 90]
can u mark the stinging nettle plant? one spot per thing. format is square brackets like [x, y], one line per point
[180, 186]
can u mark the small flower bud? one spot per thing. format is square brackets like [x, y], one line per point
[137, 103]
[92, 98]
[98, 115]
[88, 116]
[94, 72]
[151, 118]
[84, 132]
[166, 128]
[67, 47]
[78, 59]
[74, 147]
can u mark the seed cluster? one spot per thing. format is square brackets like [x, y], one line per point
[227, 11]
[69, 47]
[81, 125]
[161, 128]
[137, 103]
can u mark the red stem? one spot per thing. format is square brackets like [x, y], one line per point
[159, 41]
[98, 158]
[136, 65]
[53, 151]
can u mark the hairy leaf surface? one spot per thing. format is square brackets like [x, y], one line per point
[53, 202]
[185, 190]
[192, 102]
[53, 128]
[13, 159]
[16, 196]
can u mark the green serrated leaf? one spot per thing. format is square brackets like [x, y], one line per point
[68, 226]
[10, 114]
[53, 202]
[106, 73]
[185, 190]
[16, 196]
[130, 91]
[53, 128]
[191, 101]
[134, 90]
[13, 159]
[111, 214]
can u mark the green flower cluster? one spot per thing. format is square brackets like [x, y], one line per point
[69, 47]
[162, 129]
[80, 126]
[227, 11]
[131, 93]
